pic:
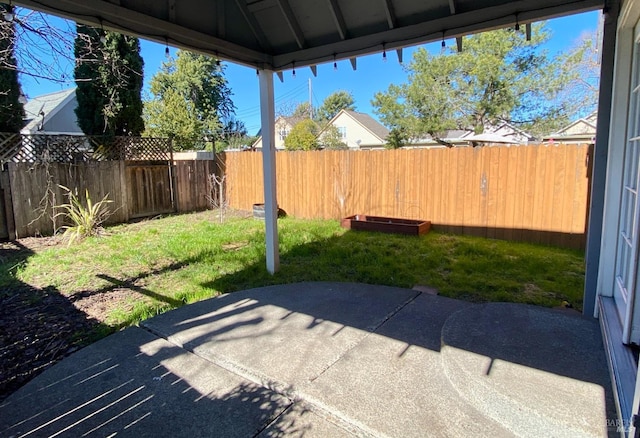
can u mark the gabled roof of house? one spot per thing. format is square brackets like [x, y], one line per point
[42, 108]
[586, 126]
[365, 120]
[369, 123]
[582, 128]
[514, 129]
[291, 121]
[592, 118]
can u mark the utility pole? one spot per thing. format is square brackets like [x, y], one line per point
[310, 101]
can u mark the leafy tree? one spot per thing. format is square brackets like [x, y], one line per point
[396, 138]
[11, 109]
[302, 136]
[303, 110]
[191, 100]
[498, 77]
[234, 135]
[108, 75]
[580, 95]
[335, 102]
[331, 138]
[295, 109]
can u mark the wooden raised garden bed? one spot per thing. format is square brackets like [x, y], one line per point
[383, 224]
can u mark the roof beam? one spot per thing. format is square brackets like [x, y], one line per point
[253, 24]
[261, 5]
[292, 22]
[125, 18]
[452, 6]
[391, 15]
[465, 23]
[127, 21]
[222, 22]
[336, 13]
[171, 5]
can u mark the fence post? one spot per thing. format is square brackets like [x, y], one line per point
[172, 178]
[124, 189]
[5, 184]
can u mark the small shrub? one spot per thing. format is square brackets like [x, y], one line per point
[84, 221]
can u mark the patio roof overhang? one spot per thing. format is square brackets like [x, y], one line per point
[281, 34]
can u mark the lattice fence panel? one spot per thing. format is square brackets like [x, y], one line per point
[144, 148]
[36, 148]
[9, 145]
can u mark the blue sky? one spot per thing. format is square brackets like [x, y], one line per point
[372, 74]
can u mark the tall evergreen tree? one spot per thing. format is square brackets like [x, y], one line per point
[108, 75]
[334, 103]
[11, 109]
[191, 100]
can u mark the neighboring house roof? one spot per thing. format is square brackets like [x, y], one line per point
[375, 136]
[592, 118]
[280, 122]
[489, 137]
[367, 122]
[583, 129]
[510, 131]
[40, 109]
[504, 133]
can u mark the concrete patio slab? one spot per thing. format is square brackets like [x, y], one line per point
[300, 420]
[328, 359]
[288, 333]
[135, 384]
[393, 384]
[545, 364]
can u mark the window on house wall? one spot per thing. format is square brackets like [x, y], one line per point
[342, 130]
[282, 134]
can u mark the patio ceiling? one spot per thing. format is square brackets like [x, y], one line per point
[282, 34]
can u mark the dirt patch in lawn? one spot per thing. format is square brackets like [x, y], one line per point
[97, 305]
[41, 326]
[38, 327]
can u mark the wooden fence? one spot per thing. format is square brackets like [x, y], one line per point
[535, 193]
[29, 190]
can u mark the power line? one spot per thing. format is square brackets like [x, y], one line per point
[254, 111]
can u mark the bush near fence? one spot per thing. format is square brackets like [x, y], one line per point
[535, 193]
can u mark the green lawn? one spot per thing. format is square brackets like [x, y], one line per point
[186, 258]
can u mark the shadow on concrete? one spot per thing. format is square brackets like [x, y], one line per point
[148, 388]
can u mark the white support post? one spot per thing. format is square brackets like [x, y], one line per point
[267, 117]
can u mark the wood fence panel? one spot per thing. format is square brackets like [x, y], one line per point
[530, 162]
[535, 193]
[192, 184]
[149, 190]
[35, 189]
[135, 190]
